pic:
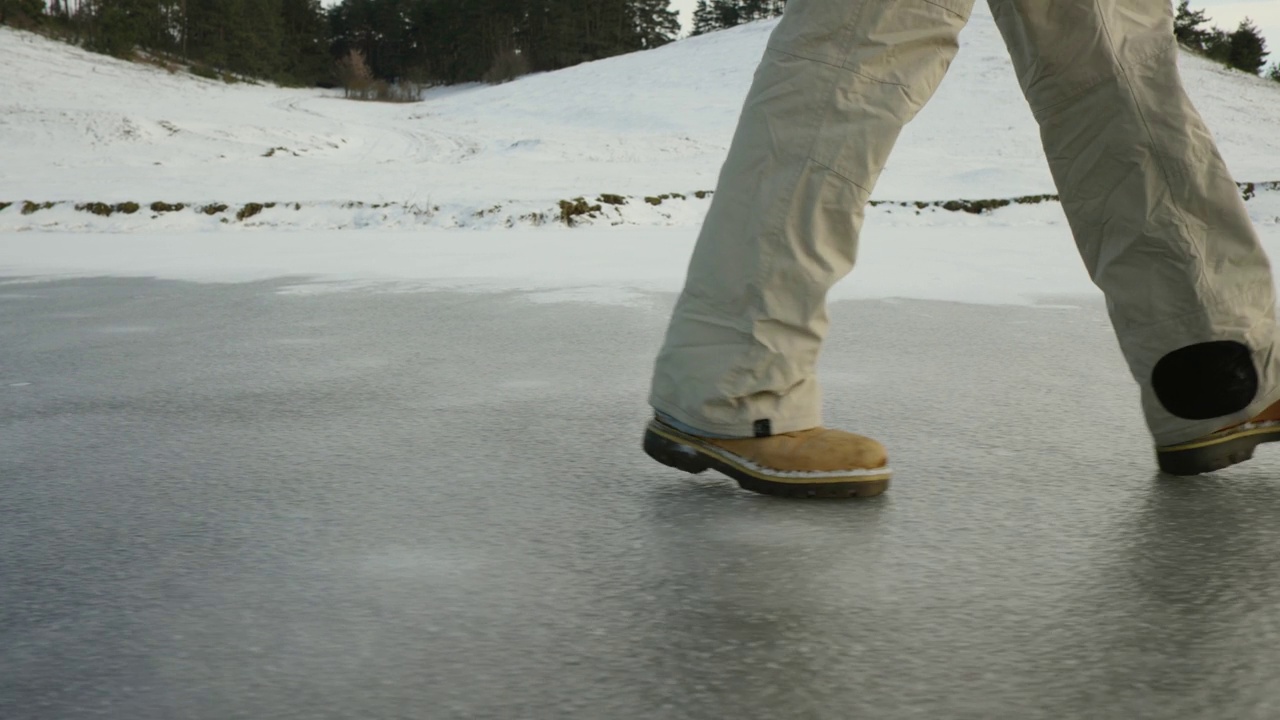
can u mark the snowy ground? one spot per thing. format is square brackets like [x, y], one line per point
[80, 128]
[1014, 262]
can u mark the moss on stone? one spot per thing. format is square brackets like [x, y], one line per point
[29, 207]
[97, 208]
[577, 207]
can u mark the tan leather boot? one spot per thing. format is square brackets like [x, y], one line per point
[1221, 449]
[810, 463]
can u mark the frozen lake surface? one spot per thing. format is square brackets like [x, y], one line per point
[228, 501]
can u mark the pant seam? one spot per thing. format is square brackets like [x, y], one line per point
[837, 66]
[775, 228]
[1120, 73]
[1157, 152]
[1209, 310]
[839, 174]
[947, 9]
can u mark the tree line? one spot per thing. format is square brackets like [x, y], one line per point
[441, 41]
[281, 40]
[298, 41]
[1244, 49]
[452, 41]
[712, 15]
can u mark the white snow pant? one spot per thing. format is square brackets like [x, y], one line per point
[1159, 222]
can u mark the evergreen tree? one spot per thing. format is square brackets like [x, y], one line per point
[388, 33]
[1275, 72]
[21, 12]
[726, 13]
[1217, 45]
[1248, 50]
[118, 27]
[559, 33]
[603, 29]
[547, 34]
[703, 19]
[416, 41]
[752, 10]
[720, 14]
[306, 45]
[653, 23]
[240, 36]
[1186, 26]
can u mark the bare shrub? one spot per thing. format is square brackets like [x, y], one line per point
[354, 74]
[357, 81]
[383, 91]
[400, 92]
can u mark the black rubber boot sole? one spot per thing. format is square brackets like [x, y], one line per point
[1216, 452]
[685, 452]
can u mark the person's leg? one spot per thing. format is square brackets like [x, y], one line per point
[1159, 222]
[839, 80]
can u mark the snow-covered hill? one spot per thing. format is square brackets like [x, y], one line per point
[77, 128]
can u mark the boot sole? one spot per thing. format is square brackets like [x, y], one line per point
[1216, 452]
[685, 452]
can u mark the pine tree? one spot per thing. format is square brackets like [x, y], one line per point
[653, 23]
[1217, 46]
[1275, 72]
[240, 36]
[1248, 48]
[752, 10]
[727, 13]
[305, 54]
[21, 12]
[548, 34]
[721, 14]
[1186, 26]
[703, 19]
[118, 27]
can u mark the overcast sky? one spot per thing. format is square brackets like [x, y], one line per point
[1227, 14]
